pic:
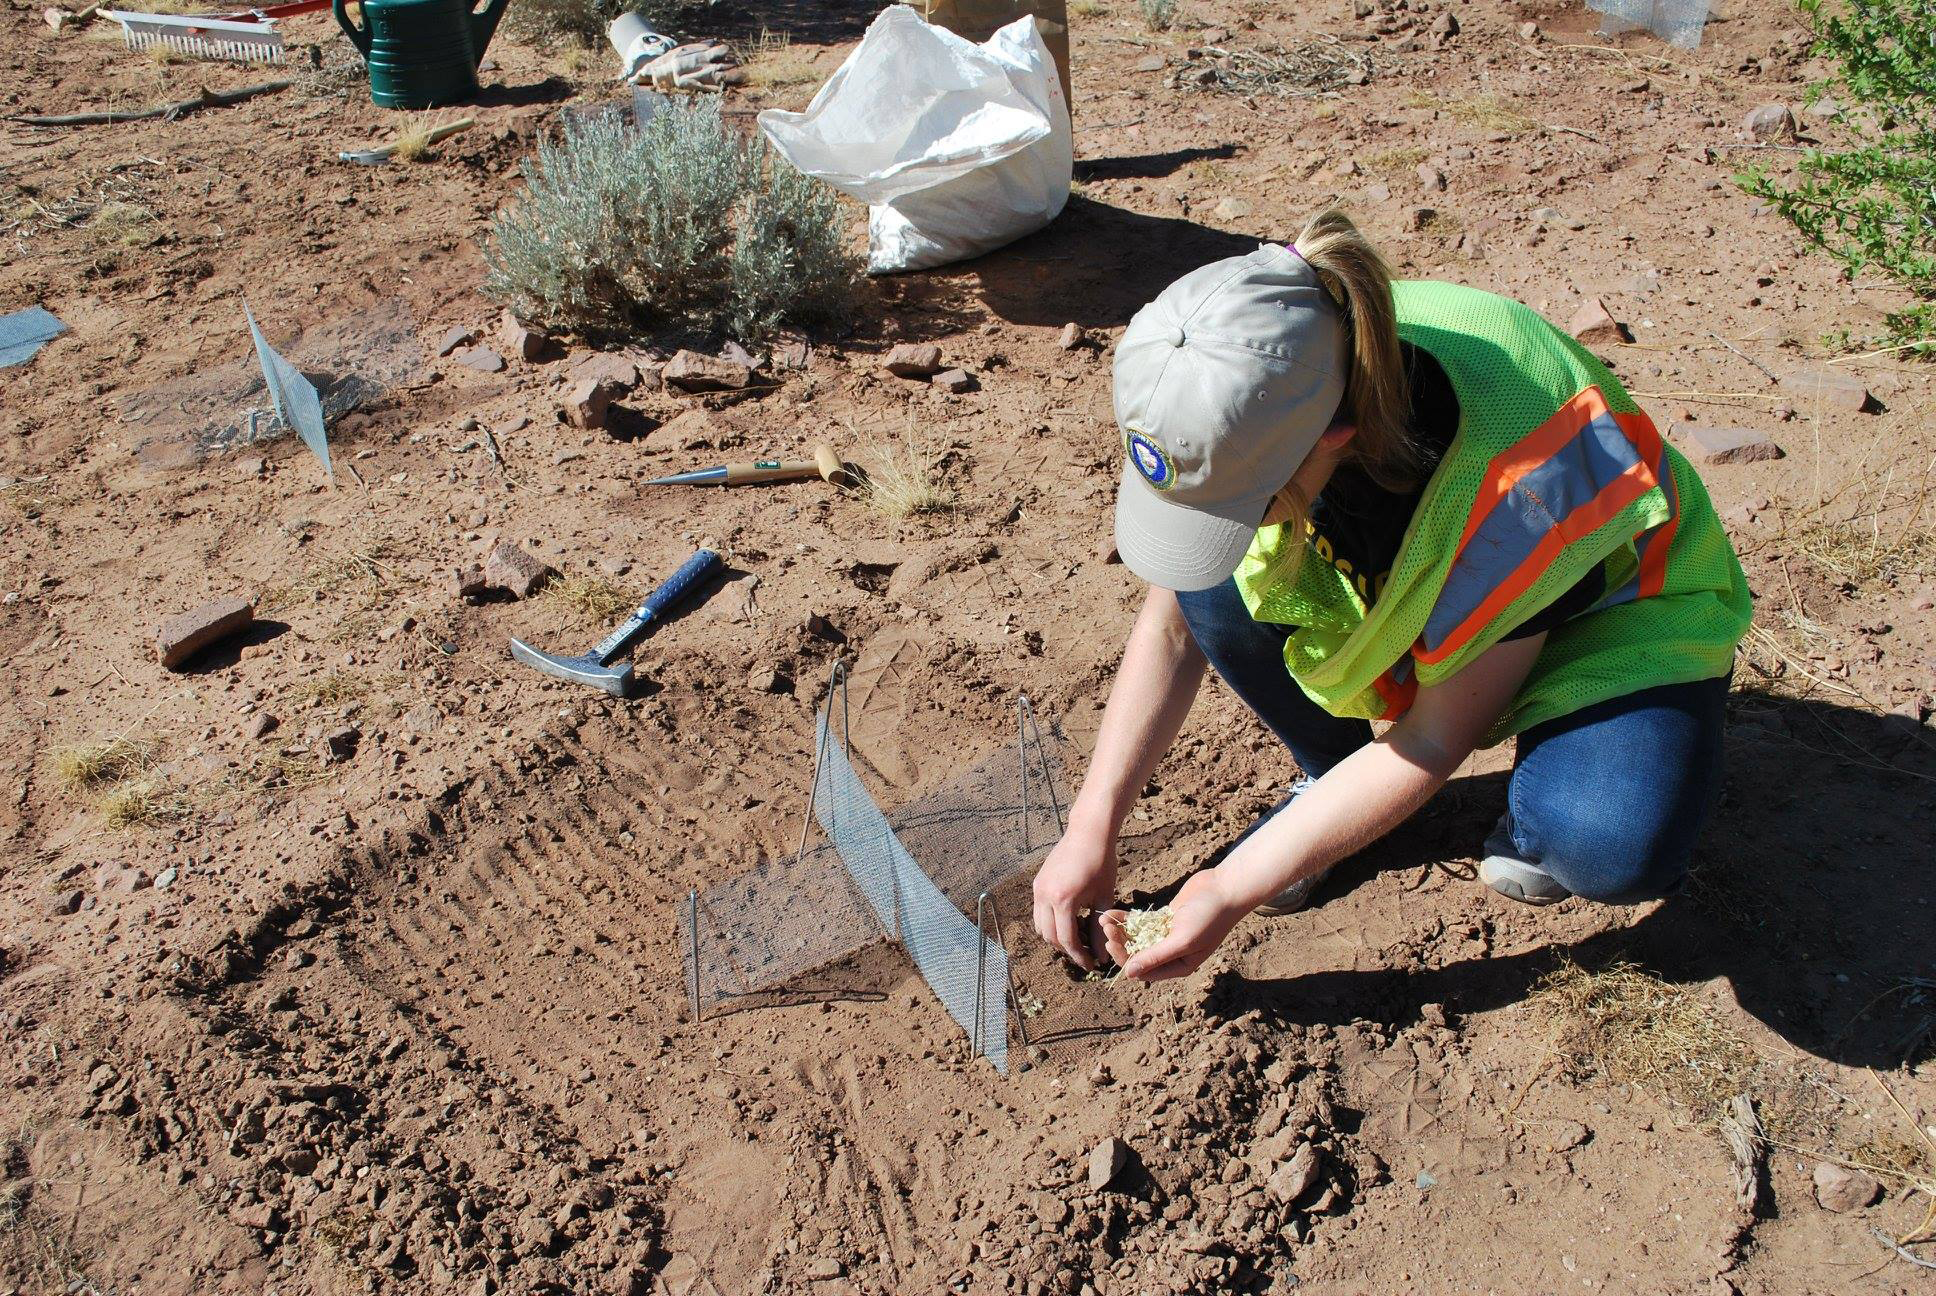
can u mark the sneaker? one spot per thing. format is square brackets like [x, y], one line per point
[1513, 876]
[1295, 896]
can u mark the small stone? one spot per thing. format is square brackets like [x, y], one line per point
[1419, 218]
[955, 381]
[252, 467]
[1832, 388]
[166, 878]
[738, 354]
[340, 744]
[183, 636]
[823, 1269]
[1445, 25]
[1840, 1189]
[768, 679]
[263, 725]
[66, 902]
[511, 568]
[469, 582]
[1231, 209]
[523, 341]
[821, 628]
[1215, 35]
[1346, 169]
[1107, 1160]
[1071, 337]
[1824, 109]
[457, 337]
[1594, 325]
[1051, 1210]
[1770, 123]
[1294, 1178]
[1732, 445]
[1106, 551]
[1377, 191]
[590, 401]
[1151, 63]
[1529, 31]
[480, 358]
[691, 372]
[913, 360]
[1567, 1135]
[614, 369]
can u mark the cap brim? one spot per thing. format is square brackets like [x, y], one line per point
[1182, 548]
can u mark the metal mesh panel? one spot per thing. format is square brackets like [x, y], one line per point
[771, 926]
[349, 361]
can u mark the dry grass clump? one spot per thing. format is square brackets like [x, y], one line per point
[144, 805]
[413, 137]
[124, 224]
[93, 764]
[1158, 15]
[771, 62]
[1487, 112]
[902, 481]
[1631, 1027]
[333, 689]
[1396, 161]
[1088, 8]
[590, 597]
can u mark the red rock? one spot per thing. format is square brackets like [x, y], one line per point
[185, 635]
[481, 358]
[458, 336]
[1430, 176]
[691, 372]
[263, 725]
[1594, 325]
[616, 369]
[913, 360]
[524, 342]
[521, 573]
[1295, 1177]
[589, 402]
[1732, 445]
[1770, 123]
[1071, 337]
[955, 381]
[1840, 1189]
[469, 582]
[340, 744]
[1829, 388]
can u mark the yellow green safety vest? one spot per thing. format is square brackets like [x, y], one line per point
[1553, 471]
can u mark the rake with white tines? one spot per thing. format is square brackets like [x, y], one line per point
[245, 36]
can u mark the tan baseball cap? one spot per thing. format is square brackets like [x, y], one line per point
[1222, 385]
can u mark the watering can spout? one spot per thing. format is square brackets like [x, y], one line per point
[484, 26]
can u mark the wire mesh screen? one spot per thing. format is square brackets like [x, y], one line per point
[913, 878]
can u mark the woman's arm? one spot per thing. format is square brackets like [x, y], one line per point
[1155, 684]
[1357, 801]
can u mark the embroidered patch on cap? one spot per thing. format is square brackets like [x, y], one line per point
[1151, 461]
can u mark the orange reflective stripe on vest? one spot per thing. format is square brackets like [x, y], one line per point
[1556, 485]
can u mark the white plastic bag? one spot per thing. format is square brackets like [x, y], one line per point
[957, 148]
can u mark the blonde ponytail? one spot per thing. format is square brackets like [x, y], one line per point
[1377, 394]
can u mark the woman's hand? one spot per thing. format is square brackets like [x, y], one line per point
[1080, 873]
[1201, 915]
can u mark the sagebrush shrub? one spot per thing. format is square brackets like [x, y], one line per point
[683, 221]
[1873, 206]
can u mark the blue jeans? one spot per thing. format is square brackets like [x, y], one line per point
[1607, 800]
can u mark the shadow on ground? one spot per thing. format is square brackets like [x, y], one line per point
[1809, 894]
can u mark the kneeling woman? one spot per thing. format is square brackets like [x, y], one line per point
[1414, 502]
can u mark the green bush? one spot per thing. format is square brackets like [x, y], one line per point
[1158, 15]
[1873, 206]
[682, 222]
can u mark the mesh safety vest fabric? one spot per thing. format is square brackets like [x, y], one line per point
[1553, 470]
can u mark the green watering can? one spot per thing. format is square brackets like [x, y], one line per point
[422, 53]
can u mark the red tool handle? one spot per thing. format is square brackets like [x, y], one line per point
[276, 11]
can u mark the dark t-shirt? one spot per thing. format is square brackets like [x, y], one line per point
[1358, 525]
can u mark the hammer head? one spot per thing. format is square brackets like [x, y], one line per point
[577, 670]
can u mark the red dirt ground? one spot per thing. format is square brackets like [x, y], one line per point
[414, 1021]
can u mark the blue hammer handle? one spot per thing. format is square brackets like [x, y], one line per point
[681, 583]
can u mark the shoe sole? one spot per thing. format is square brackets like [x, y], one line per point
[1517, 880]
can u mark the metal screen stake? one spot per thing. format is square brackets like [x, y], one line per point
[985, 910]
[692, 919]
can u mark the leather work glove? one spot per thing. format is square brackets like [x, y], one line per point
[704, 65]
